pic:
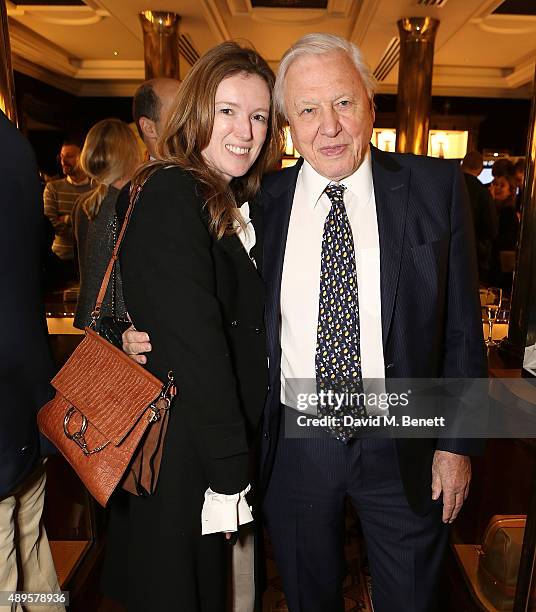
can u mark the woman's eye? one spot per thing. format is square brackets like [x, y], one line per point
[261, 118]
[226, 111]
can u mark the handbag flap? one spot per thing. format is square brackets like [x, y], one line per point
[111, 390]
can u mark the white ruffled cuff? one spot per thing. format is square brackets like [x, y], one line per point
[223, 513]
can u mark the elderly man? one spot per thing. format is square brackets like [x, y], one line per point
[370, 273]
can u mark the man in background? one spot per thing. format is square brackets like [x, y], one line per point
[150, 108]
[151, 105]
[60, 198]
[484, 214]
[26, 366]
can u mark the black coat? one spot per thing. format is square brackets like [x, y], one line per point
[429, 299]
[202, 301]
[26, 363]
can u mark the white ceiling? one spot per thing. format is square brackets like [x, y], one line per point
[476, 54]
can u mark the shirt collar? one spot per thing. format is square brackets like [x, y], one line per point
[313, 183]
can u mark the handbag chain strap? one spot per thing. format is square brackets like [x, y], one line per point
[114, 269]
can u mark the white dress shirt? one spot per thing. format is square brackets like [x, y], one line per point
[226, 512]
[300, 285]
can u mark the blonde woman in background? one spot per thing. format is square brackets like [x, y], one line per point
[109, 158]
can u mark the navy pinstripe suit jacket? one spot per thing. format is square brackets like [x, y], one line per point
[431, 320]
[26, 364]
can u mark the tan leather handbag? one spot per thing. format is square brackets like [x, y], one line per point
[109, 415]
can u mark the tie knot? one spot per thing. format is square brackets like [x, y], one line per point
[335, 192]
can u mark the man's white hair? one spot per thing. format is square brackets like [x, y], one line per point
[317, 44]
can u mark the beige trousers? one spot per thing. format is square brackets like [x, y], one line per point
[243, 572]
[25, 559]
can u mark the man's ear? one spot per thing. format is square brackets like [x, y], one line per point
[148, 127]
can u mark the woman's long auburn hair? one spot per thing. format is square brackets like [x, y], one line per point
[188, 130]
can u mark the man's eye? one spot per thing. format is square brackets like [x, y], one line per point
[344, 103]
[307, 111]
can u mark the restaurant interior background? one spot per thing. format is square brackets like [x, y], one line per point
[464, 69]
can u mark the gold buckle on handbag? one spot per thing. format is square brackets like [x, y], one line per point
[78, 437]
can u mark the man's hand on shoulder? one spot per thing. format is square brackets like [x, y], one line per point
[135, 343]
[451, 475]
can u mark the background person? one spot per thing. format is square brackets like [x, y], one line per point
[109, 158]
[26, 367]
[504, 190]
[519, 174]
[60, 197]
[189, 280]
[503, 167]
[151, 105]
[485, 222]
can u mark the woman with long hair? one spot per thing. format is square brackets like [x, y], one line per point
[109, 157]
[188, 263]
[503, 191]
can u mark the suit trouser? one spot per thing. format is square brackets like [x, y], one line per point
[304, 511]
[25, 559]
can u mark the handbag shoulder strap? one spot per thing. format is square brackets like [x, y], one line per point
[134, 194]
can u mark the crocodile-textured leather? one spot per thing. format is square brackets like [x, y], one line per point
[114, 394]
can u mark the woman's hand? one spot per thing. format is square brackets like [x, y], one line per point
[136, 342]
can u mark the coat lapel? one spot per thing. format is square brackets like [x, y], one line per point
[391, 190]
[256, 216]
[233, 246]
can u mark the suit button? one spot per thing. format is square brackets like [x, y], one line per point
[258, 330]
[234, 323]
[266, 435]
[23, 449]
[268, 389]
[389, 366]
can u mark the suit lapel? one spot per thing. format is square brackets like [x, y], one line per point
[277, 201]
[391, 190]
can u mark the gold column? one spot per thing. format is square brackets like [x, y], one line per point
[7, 86]
[417, 37]
[160, 42]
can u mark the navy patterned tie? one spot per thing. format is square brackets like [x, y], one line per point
[338, 358]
